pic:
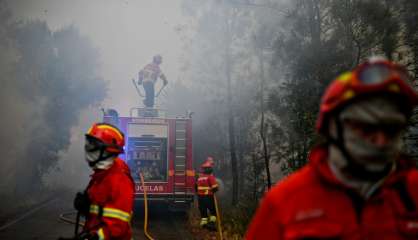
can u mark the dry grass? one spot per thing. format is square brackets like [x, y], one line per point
[233, 225]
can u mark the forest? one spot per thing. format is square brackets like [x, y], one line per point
[253, 71]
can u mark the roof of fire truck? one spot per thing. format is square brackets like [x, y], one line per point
[140, 112]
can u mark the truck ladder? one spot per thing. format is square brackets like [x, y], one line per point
[180, 172]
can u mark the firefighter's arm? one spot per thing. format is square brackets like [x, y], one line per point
[213, 184]
[118, 212]
[264, 224]
[196, 178]
[162, 76]
[140, 77]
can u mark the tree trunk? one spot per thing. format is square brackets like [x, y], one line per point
[231, 133]
[263, 136]
[231, 125]
[241, 164]
[255, 172]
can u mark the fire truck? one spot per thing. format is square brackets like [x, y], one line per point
[161, 149]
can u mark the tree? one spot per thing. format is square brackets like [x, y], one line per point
[54, 77]
[216, 24]
[322, 40]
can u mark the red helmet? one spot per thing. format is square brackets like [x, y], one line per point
[208, 163]
[110, 137]
[372, 77]
[157, 59]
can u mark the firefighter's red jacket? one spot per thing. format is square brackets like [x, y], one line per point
[313, 204]
[206, 184]
[111, 195]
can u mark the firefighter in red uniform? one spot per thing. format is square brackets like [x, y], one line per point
[148, 76]
[357, 185]
[206, 187]
[108, 200]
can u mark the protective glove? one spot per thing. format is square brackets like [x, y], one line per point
[82, 203]
[87, 236]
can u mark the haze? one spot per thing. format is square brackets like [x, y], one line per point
[128, 33]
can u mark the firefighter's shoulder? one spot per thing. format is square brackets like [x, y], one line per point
[292, 186]
[412, 182]
[202, 176]
[121, 173]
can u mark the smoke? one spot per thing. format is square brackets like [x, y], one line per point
[48, 78]
[72, 171]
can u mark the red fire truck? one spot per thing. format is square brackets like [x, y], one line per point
[161, 149]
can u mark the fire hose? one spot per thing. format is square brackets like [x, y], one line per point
[218, 216]
[137, 89]
[145, 209]
[64, 217]
[158, 94]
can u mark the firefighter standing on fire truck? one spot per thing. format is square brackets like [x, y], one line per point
[148, 76]
[108, 200]
[206, 186]
[357, 185]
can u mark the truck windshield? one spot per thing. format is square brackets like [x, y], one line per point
[147, 151]
[148, 155]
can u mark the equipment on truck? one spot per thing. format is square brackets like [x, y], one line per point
[160, 148]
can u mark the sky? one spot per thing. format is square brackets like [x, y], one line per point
[127, 33]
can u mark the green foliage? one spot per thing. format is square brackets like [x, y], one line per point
[321, 40]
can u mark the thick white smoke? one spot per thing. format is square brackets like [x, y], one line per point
[72, 171]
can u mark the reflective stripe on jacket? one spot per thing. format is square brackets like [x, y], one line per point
[111, 194]
[312, 203]
[110, 213]
[205, 184]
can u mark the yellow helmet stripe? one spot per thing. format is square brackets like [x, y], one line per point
[89, 131]
[111, 128]
[345, 77]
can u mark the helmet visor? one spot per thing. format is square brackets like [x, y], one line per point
[93, 144]
[378, 73]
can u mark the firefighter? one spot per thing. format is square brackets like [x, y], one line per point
[357, 185]
[107, 201]
[206, 187]
[148, 76]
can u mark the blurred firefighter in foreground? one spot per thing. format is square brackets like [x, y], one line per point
[357, 185]
[148, 76]
[107, 201]
[206, 186]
